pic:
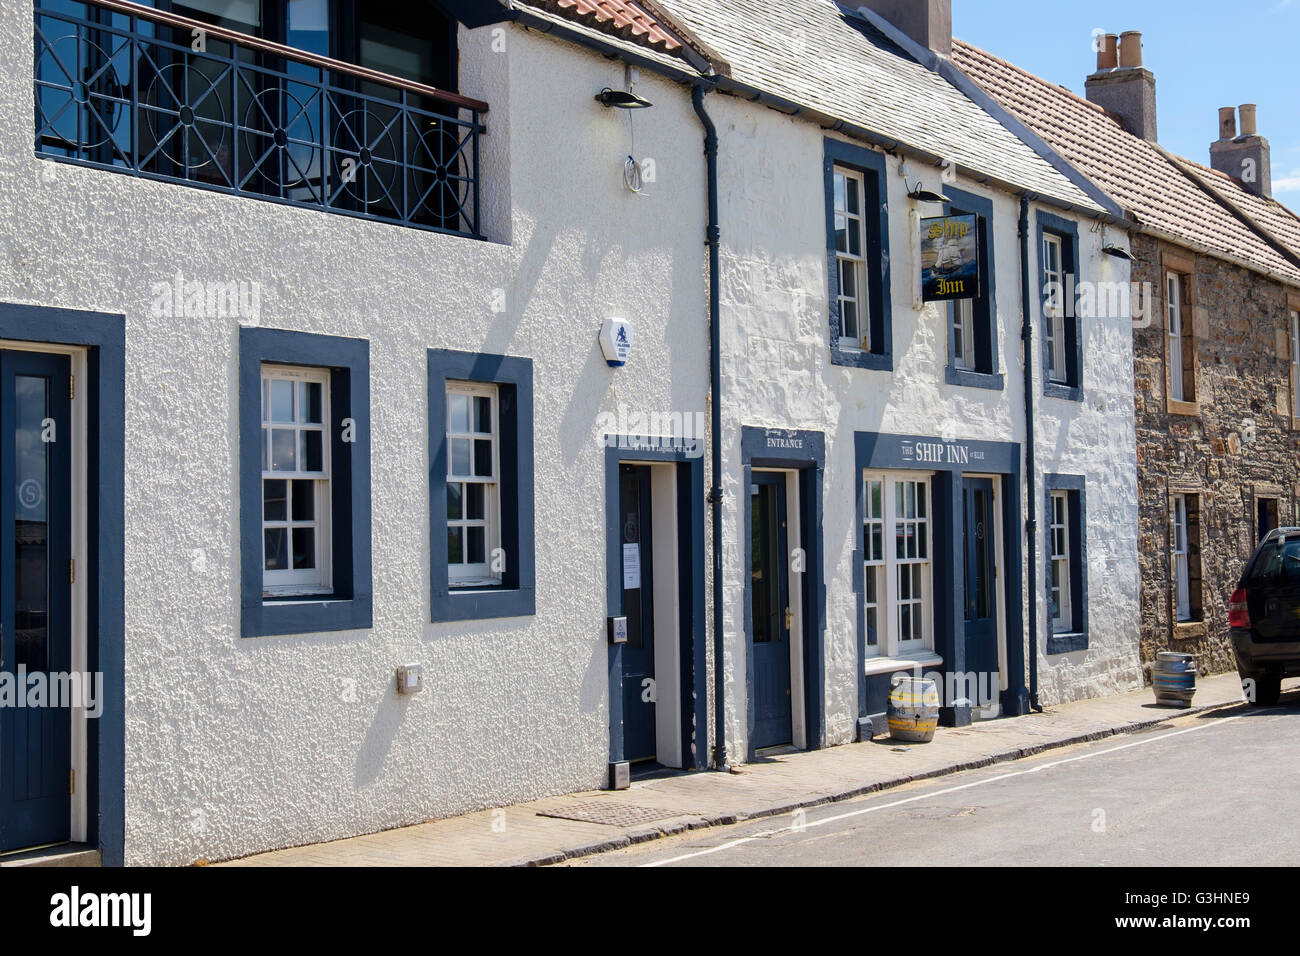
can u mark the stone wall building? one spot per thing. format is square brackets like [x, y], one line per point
[1215, 300]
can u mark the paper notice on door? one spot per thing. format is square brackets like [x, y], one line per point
[631, 567]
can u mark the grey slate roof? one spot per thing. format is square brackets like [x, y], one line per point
[823, 56]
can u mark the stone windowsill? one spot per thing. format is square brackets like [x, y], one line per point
[1183, 408]
[889, 665]
[1189, 630]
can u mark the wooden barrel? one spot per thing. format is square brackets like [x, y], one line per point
[1174, 678]
[913, 709]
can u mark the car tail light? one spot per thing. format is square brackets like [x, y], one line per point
[1238, 613]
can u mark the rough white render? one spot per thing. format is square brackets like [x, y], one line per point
[777, 373]
[237, 745]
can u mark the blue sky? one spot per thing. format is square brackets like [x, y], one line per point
[1204, 55]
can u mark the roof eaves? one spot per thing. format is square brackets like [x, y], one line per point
[964, 84]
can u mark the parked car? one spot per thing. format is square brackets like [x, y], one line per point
[1264, 616]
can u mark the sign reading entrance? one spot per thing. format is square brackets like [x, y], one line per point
[950, 258]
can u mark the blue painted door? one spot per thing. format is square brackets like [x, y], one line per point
[35, 597]
[638, 604]
[981, 615]
[770, 611]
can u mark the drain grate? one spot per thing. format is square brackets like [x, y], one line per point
[611, 814]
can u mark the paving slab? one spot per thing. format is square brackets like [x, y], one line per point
[775, 784]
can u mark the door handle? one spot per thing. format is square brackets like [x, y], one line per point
[789, 619]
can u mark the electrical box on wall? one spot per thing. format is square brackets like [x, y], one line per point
[618, 630]
[410, 679]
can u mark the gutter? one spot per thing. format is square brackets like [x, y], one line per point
[712, 239]
[1031, 462]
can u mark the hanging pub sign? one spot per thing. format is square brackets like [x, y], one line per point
[950, 258]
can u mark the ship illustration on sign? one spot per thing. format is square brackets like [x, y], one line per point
[950, 263]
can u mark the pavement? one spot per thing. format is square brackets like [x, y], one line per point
[555, 829]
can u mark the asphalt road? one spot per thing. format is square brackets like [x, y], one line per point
[1218, 789]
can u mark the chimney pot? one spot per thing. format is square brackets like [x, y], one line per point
[1228, 122]
[1107, 51]
[1130, 50]
[1248, 127]
[1246, 158]
[1127, 91]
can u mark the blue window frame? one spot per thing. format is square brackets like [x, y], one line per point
[514, 593]
[857, 254]
[1066, 554]
[1062, 331]
[973, 327]
[347, 603]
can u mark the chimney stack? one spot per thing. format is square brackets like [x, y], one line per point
[1123, 86]
[928, 22]
[1246, 158]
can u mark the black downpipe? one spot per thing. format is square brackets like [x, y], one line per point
[712, 238]
[1031, 525]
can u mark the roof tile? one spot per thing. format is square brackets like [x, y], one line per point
[1154, 187]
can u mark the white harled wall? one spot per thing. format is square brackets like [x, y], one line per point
[239, 745]
[777, 373]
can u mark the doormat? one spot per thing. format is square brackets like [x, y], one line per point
[611, 814]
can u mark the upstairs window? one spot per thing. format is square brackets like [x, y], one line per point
[1058, 256]
[1054, 307]
[1181, 353]
[206, 103]
[857, 250]
[850, 254]
[972, 333]
[1295, 364]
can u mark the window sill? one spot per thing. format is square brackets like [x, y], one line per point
[476, 604]
[852, 358]
[890, 665]
[300, 614]
[1068, 393]
[1065, 643]
[1182, 408]
[968, 378]
[1189, 630]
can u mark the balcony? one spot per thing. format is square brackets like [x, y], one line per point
[124, 87]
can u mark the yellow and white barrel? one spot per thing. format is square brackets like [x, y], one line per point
[913, 709]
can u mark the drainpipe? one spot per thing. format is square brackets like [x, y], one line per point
[712, 238]
[1031, 525]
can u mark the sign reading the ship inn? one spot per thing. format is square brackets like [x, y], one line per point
[950, 258]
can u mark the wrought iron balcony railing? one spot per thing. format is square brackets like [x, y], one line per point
[125, 87]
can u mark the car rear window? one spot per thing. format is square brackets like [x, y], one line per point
[1278, 560]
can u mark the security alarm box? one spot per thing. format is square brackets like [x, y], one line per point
[618, 630]
[410, 679]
